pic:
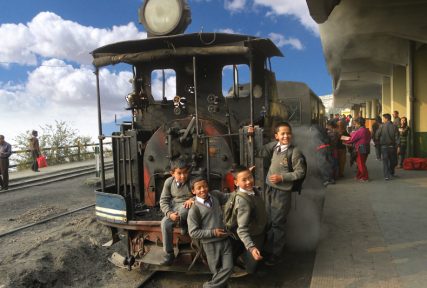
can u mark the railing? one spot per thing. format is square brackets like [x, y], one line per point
[60, 155]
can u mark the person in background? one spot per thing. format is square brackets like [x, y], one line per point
[361, 139]
[331, 127]
[341, 148]
[5, 152]
[403, 135]
[396, 119]
[35, 150]
[375, 126]
[388, 136]
[350, 124]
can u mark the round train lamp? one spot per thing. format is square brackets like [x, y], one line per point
[165, 17]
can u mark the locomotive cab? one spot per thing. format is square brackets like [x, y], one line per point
[190, 116]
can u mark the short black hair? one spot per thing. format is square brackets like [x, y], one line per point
[360, 120]
[282, 124]
[238, 169]
[196, 179]
[179, 163]
[387, 116]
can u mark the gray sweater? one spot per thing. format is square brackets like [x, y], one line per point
[172, 196]
[251, 219]
[202, 219]
[278, 164]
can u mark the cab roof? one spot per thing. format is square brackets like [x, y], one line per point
[196, 43]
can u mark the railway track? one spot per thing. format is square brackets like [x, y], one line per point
[46, 179]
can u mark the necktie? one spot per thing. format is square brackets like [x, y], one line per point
[208, 202]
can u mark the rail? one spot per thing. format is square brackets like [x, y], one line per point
[63, 156]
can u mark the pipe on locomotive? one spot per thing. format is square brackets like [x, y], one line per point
[101, 137]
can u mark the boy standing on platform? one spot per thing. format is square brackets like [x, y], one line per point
[175, 200]
[279, 186]
[205, 222]
[251, 217]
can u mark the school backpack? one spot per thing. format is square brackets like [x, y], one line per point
[230, 217]
[297, 184]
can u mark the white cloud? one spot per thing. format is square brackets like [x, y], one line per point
[228, 30]
[50, 36]
[281, 41]
[57, 91]
[234, 5]
[296, 8]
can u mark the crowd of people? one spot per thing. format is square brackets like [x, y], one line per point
[343, 135]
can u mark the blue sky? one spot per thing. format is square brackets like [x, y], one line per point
[45, 66]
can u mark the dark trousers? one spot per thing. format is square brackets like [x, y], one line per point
[4, 171]
[35, 165]
[278, 205]
[389, 155]
[378, 151]
[402, 154]
[220, 261]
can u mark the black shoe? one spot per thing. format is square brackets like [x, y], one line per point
[168, 259]
[272, 261]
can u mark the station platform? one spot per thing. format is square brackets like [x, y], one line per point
[374, 234]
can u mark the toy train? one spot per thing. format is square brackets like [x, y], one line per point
[200, 122]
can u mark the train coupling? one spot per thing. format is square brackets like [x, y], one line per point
[121, 261]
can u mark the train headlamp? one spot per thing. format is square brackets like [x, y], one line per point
[165, 17]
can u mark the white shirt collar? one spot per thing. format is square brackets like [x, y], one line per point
[283, 148]
[251, 193]
[202, 201]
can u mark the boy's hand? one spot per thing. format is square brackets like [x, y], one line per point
[174, 216]
[255, 253]
[220, 233]
[275, 178]
[187, 204]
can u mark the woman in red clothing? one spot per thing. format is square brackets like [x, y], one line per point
[360, 139]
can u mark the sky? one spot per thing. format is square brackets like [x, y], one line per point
[46, 73]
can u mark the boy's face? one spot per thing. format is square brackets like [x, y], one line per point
[284, 135]
[180, 174]
[245, 180]
[201, 189]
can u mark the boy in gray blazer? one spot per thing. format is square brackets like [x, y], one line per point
[175, 200]
[205, 222]
[279, 185]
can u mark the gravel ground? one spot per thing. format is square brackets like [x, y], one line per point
[68, 252]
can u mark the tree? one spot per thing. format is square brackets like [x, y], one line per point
[59, 142]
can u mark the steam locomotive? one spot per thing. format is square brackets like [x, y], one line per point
[202, 121]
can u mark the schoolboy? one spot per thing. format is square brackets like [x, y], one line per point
[251, 217]
[205, 222]
[175, 200]
[279, 185]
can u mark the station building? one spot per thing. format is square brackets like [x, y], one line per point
[376, 52]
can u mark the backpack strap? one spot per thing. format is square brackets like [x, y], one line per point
[246, 197]
[289, 156]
